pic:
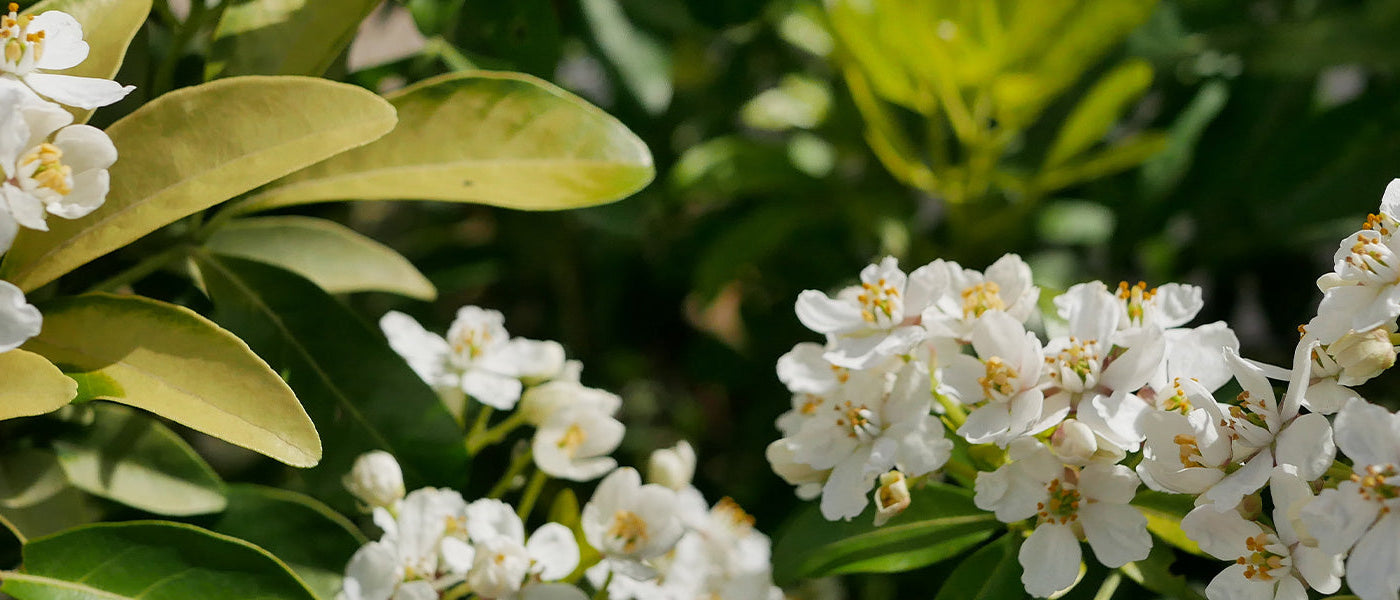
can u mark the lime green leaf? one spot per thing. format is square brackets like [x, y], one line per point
[940, 523]
[150, 560]
[1164, 513]
[194, 148]
[643, 63]
[504, 139]
[283, 37]
[361, 394]
[331, 255]
[315, 541]
[1075, 222]
[1119, 157]
[108, 28]
[33, 386]
[128, 457]
[169, 360]
[1154, 573]
[1099, 109]
[991, 573]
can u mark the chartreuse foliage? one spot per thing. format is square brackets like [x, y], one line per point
[108, 25]
[276, 37]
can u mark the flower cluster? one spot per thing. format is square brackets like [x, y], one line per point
[647, 541]
[48, 164]
[1067, 414]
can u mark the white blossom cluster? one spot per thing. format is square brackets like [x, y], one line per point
[48, 164]
[1118, 393]
[647, 541]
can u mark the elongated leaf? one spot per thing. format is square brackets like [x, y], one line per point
[29, 476]
[33, 386]
[642, 62]
[315, 541]
[331, 255]
[1154, 573]
[130, 458]
[108, 28]
[1164, 513]
[991, 573]
[1163, 171]
[941, 523]
[169, 360]
[1122, 156]
[194, 148]
[361, 394]
[1100, 109]
[150, 560]
[505, 139]
[65, 508]
[283, 37]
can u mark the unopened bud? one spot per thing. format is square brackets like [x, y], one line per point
[672, 467]
[1362, 356]
[1074, 442]
[891, 498]
[376, 479]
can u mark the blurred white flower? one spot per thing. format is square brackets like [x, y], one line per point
[873, 321]
[630, 523]
[376, 479]
[672, 467]
[541, 402]
[52, 41]
[19, 320]
[477, 357]
[1360, 294]
[575, 443]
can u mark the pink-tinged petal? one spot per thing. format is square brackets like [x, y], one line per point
[1368, 434]
[1108, 483]
[1116, 532]
[1219, 534]
[1373, 568]
[19, 320]
[824, 314]
[1339, 517]
[1176, 304]
[1306, 444]
[64, 47]
[1231, 584]
[79, 92]
[1049, 559]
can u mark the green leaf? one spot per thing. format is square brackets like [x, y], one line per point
[29, 476]
[1119, 157]
[1164, 513]
[504, 139]
[1162, 172]
[331, 255]
[283, 37]
[150, 560]
[169, 360]
[315, 541]
[1154, 573]
[361, 394]
[643, 63]
[940, 523]
[196, 147]
[33, 386]
[108, 28]
[65, 508]
[130, 458]
[1099, 109]
[991, 573]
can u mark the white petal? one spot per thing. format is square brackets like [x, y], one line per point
[1368, 434]
[425, 352]
[1373, 568]
[19, 320]
[554, 550]
[85, 147]
[488, 519]
[8, 230]
[1103, 482]
[78, 92]
[803, 370]
[1231, 584]
[375, 571]
[1227, 493]
[552, 591]
[844, 495]
[1306, 444]
[1116, 532]
[491, 389]
[1176, 304]
[1327, 396]
[1219, 534]
[1131, 370]
[1390, 199]
[416, 590]
[1322, 571]
[63, 41]
[89, 192]
[1050, 559]
[822, 314]
[1339, 517]
[1195, 353]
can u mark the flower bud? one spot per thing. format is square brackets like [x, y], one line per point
[1362, 355]
[891, 498]
[376, 479]
[672, 467]
[1074, 442]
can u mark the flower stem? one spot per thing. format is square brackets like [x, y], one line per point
[479, 438]
[532, 493]
[517, 464]
[602, 593]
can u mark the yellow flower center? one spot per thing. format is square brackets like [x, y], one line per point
[877, 300]
[1135, 296]
[1261, 561]
[1062, 506]
[1190, 452]
[1378, 484]
[470, 342]
[857, 420]
[51, 172]
[629, 528]
[733, 513]
[981, 298]
[999, 379]
[14, 30]
[573, 437]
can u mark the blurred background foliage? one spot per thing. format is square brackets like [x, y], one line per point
[1221, 143]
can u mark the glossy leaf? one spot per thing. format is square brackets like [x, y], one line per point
[315, 541]
[1099, 109]
[991, 573]
[504, 139]
[108, 28]
[361, 394]
[940, 523]
[1164, 513]
[331, 255]
[196, 147]
[33, 386]
[283, 37]
[150, 560]
[170, 361]
[130, 458]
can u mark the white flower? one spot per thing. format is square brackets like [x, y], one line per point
[805, 370]
[871, 322]
[503, 562]
[672, 467]
[476, 358]
[1363, 514]
[1269, 564]
[376, 479]
[540, 402]
[537, 361]
[19, 320]
[891, 498]
[1351, 360]
[423, 548]
[575, 443]
[629, 522]
[1067, 503]
[1001, 383]
[52, 41]
[809, 481]
[1186, 453]
[1360, 294]
[961, 296]
[1190, 352]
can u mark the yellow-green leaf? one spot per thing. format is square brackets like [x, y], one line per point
[1099, 109]
[331, 255]
[33, 386]
[505, 139]
[283, 37]
[198, 146]
[108, 27]
[169, 360]
[1125, 155]
[1164, 513]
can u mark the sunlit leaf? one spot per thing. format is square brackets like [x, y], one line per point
[1164, 513]
[108, 28]
[130, 458]
[331, 255]
[33, 386]
[991, 573]
[504, 139]
[195, 147]
[283, 37]
[149, 560]
[1119, 157]
[169, 360]
[1099, 109]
